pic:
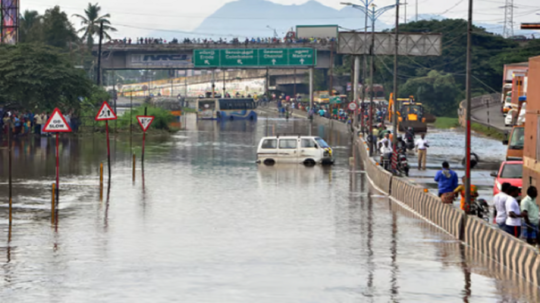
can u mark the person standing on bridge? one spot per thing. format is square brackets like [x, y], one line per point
[448, 181]
[421, 146]
[529, 209]
[513, 213]
[499, 204]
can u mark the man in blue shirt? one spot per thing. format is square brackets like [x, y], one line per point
[448, 181]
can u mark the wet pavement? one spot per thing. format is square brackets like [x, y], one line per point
[204, 223]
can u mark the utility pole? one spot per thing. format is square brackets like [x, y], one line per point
[468, 113]
[331, 88]
[394, 103]
[98, 81]
[372, 55]
[508, 30]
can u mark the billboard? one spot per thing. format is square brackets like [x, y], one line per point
[317, 31]
[410, 44]
[9, 12]
[159, 60]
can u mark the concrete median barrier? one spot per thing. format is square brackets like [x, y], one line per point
[515, 254]
[504, 248]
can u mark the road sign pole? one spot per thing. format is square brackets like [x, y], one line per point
[143, 141]
[10, 180]
[108, 149]
[57, 169]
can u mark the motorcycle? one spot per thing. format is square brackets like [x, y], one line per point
[409, 142]
[403, 164]
[480, 208]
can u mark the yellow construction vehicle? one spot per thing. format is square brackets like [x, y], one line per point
[409, 114]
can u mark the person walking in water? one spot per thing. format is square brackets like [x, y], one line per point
[448, 181]
[421, 146]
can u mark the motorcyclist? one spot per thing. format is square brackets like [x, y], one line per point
[409, 138]
[386, 153]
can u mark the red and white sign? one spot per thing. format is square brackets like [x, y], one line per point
[145, 121]
[352, 106]
[57, 123]
[105, 113]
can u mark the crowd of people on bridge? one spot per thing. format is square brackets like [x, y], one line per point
[233, 41]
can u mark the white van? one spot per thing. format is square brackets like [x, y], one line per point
[294, 149]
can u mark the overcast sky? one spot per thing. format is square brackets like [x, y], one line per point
[186, 15]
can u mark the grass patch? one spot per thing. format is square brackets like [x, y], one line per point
[446, 122]
[489, 132]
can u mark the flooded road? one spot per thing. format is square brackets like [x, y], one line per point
[204, 223]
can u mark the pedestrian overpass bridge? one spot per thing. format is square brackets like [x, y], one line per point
[177, 56]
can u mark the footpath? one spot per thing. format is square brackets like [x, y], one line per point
[515, 254]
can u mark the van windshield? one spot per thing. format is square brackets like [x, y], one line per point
[321, 143]
[517, 138]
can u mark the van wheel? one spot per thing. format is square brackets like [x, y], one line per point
[269, 162]
[309, 162]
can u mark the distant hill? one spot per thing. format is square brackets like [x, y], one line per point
[258, 18]
[251, 18]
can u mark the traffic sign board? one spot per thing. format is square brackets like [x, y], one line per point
[56, 123]
[246, 57]
[105, 113]
[352, 106]
[145, 121]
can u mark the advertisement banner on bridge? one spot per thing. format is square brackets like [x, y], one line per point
[159, 60]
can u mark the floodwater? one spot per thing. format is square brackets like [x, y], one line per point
[204, 223]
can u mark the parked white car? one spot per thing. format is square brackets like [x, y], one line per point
[294, 149]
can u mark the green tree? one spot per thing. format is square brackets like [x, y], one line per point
[57, 30]
[437, 91]
[30, 29]
[91, 23]
[39, 77]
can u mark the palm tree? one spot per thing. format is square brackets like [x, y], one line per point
[91, 22]
[28, 22]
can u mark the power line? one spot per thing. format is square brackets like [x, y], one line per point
[508, 30]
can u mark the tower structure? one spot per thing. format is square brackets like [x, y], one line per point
[508, 26]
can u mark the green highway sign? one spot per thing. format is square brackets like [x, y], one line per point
[264, 57]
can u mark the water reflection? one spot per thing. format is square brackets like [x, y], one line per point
[207, 224]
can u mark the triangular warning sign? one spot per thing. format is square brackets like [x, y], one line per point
[105, 112]
[56, 123]
[145, 121]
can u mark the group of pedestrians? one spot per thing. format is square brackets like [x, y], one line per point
[518, 217]
[22, 123]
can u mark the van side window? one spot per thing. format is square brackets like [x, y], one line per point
[308, 143]
[287, 143]
[269, 143]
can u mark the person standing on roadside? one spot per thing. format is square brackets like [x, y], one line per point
[448, 181]
[529, 210]
[499, 204]
[460, 190]
[513, 213]
[421, 146]
[37, 124]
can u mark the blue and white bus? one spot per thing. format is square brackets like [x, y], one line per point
[226, 109]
